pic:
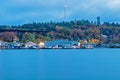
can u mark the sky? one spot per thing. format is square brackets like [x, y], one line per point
[18, 12]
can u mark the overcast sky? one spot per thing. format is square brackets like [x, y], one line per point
[26, 11]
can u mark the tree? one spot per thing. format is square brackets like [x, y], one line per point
[7, 36]
[28, 37]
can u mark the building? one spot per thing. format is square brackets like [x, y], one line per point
[41, 45]
[98, 21]
[3, 45]
[30, 44]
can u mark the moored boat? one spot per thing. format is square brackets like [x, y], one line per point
[89, 47]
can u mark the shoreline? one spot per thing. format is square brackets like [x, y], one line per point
[53, 48]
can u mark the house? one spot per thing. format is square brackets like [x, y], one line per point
[30, 45]
[41, 45]
[14, 45]
[60, 44]
[3, 45]
[15, 40]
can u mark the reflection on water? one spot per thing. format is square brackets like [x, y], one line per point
[77, 64]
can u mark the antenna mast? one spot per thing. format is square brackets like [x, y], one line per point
[65, 12]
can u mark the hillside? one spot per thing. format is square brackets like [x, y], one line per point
[73, 30]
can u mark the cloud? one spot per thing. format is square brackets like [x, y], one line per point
[20, 11]
[113, 4]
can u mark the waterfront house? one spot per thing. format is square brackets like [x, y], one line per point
[14, 45]
[15, 40]
[3, 45]
[41, 45]
[30, 45]
[60, 44]
[80, 45]
[116, 45]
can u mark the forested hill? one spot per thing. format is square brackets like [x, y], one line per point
[73, 30]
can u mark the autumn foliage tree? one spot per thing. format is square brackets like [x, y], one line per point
[7, 36]
[73, 30]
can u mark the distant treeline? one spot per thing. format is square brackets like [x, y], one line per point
[73, 30]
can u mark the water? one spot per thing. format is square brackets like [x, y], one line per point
[74, 64]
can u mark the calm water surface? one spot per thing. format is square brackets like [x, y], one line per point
[77, 64]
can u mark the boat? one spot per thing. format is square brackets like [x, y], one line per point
[89, 47]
